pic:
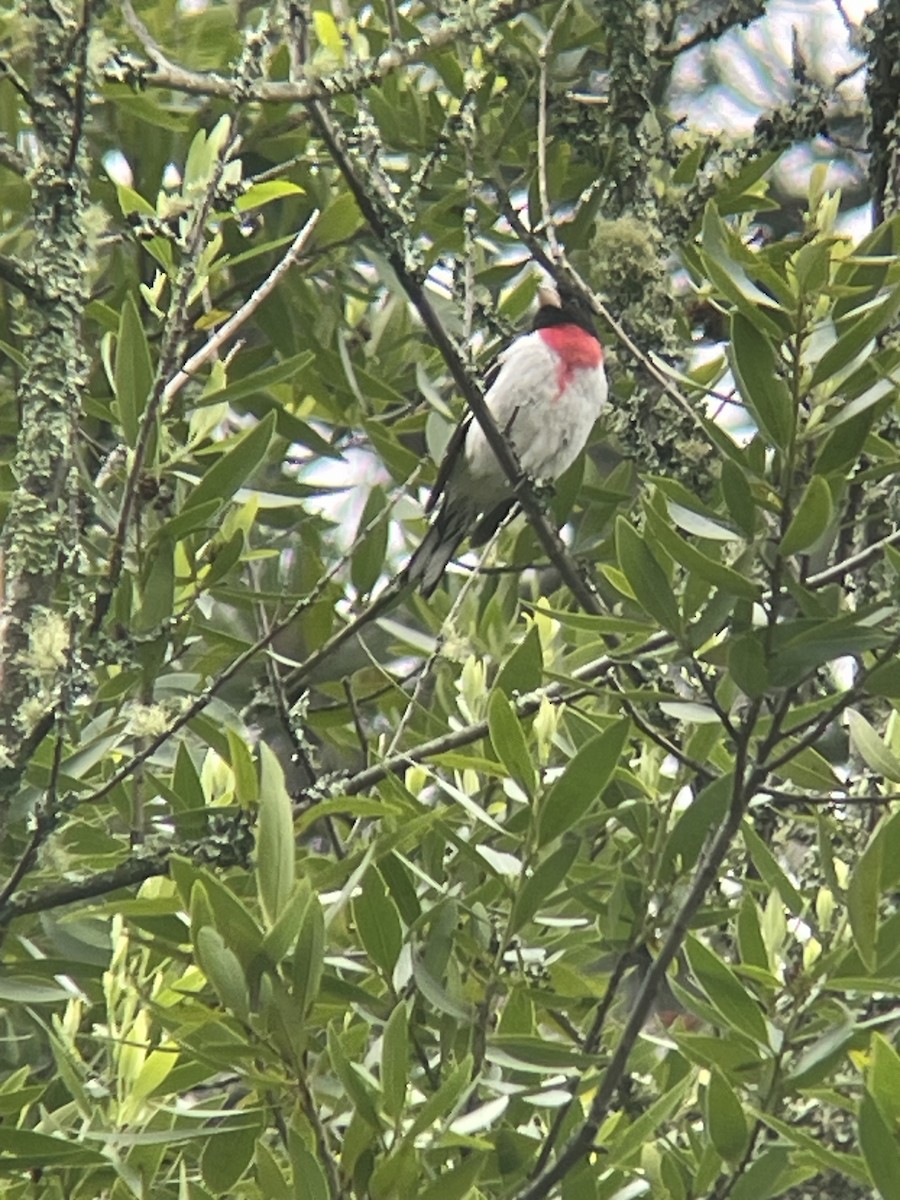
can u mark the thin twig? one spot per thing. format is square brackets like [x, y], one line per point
[226, 331]
[543, 192]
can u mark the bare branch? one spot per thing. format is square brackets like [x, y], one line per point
[476, 21]
[227, 330]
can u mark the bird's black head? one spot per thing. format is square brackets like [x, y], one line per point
[564, 307]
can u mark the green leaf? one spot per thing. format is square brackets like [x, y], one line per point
[246, 783]
[274, 838]
[761, 386]
[771, 870]
[627, 1146]
[260, 381]
[762, 1179]
[458, 1182]
[340, 220]
[309, 1178]
[542, 883]
[856, 337]
[738, 497]
[693, 826]
[877, 756]
[233, 469]
[584, 779]
[224, 1160]
[508, 740]
[725, 1121]
[442, 1102]
[259, 194]
[725, 992]
[523, 669]
[863, 893]
[880, 1148]
[269, 1178]
[646, 577]
[378, 922]
[395, 1061]
[223, 970]
[358, 1089]
[729, 276]
[309, 955]
[23, 1149]
[158, 591]
[133, 371]
[747, 664]
[812, 517]
[367, 561]
[884, 1078]
[701, 564]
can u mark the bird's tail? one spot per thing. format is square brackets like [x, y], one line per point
[430, 558]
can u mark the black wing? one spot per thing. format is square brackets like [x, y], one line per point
[456, 442]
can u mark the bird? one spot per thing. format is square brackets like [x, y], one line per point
[545, 391]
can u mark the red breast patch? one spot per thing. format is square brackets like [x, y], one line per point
[574, 345]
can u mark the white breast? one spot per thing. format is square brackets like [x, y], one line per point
[546, 413]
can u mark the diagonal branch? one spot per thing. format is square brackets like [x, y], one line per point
[382, 226]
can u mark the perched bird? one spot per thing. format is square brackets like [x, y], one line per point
[545, 392]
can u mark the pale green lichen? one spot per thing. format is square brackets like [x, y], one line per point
[147, 720]
[48, 644]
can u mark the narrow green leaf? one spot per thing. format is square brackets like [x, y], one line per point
[877, 756]
[309, 1178]
[458, 1182]
[436, 994]
[367, 561]
[761, 386]
[339, 220]
[233, 469]
[771, 870]
[523, 669]
[223, 970]
[863, 895]
[309, 955]
[583, 780]
[694, 825]
[884, 1078]
[395, 1061]
[270, 1180]
[543, 882]
[855, 337]
[274, 837]
[259, 194]
[378, 922]
[812, 517]
[284, 932]
[224, 1160]
[747, 664]
[646, 577]
[627, 1146]
[133, 370]
[355, 1087]
[695, 560]
[246, 783]
[880, 1148]
[726, 992]
[442, 1102]
[508, 740]
[158, 588]
[762, 1179]
[725, 1121]
[738, 497]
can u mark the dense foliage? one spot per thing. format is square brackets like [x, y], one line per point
[572, 881]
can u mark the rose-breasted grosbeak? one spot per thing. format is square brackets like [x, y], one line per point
[545, 392]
